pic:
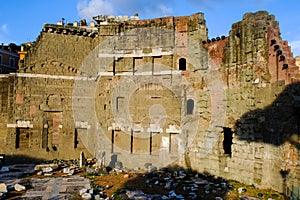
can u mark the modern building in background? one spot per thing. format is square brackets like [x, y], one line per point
[9, 59]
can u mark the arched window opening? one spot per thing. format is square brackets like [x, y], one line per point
[182, 64]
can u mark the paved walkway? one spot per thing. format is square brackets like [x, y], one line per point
[56, 188]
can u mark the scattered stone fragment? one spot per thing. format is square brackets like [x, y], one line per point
[147, 165]
[168, 185]
[152, 169]
[47, 169]
[207, 187]
[118, 165]
[172, 194]
[4, 169]
[43, 166]
[181, 174]
[82, 191]
[10, 187]
[223, 184]
[126, 176]
[71, 172]
[260, 195]
[19, 187]
[98, 197]
[86, 196]
[2, 195]
[90, 170]
[66, 170]
[39, 173]
[200, 181]
[242, 190]
[3, 188]
[137, 194]
[193, 196]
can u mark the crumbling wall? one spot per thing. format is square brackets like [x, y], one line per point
[260, 110]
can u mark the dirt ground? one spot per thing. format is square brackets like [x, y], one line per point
[117, 183]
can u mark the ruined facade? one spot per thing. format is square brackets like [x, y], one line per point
[159, 91]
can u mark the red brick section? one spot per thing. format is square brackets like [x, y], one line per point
[180, 23]
[19, 99]
[275, 64]
[215, 51]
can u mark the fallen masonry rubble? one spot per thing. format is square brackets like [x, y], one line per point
[66, 180]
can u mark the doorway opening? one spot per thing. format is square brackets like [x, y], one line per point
[227, 142]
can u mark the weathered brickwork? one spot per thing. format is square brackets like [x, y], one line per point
[160, 91]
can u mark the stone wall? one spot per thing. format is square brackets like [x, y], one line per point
[159, 91]
[260, 105]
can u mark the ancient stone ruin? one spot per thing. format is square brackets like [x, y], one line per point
[132, 91]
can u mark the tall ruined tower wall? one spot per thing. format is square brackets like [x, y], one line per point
[260, 104]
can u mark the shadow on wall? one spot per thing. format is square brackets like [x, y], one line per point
[276, 124]
[279, 125]
[21, 159]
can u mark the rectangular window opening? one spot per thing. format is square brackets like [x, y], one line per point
[112, 140]
[11, 62]
[131, 142]
[75, 138]
[17, 144]
[150, 150]
[227, 142]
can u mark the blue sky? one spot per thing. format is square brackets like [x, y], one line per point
[22, 21]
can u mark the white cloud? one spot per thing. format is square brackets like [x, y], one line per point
[295, 47]
[165, 10]
[4, 28]
[146, 9]
[90, 8]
